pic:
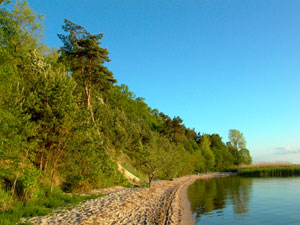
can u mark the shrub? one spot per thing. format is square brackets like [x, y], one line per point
[5, 200]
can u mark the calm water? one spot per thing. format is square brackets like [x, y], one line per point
[236, 200]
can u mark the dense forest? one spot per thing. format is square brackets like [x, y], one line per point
[65, 121]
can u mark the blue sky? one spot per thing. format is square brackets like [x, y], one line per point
[218, 64]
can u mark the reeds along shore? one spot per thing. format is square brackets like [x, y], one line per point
[269, 170]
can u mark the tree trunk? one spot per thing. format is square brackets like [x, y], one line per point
[87, 93]
[46, 163]
[151, 176]
[58, 157]
[41, 161]
[87, 88]
[88, 98]
[13, 188]
[52, 177]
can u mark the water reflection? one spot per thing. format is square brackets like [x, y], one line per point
[246, 201]
[212, 195]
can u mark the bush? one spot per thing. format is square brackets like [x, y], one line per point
[44, 203]
[5, 200]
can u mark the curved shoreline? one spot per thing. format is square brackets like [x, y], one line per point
[187, 214]
[184, 215]
[166, 202]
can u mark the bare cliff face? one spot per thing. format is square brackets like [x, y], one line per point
[128, 175]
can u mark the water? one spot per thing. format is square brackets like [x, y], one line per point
[237, 200]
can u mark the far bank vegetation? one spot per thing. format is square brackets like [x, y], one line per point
[281, 169]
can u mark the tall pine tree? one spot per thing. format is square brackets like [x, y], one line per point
[85, 60]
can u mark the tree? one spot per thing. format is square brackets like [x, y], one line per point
[199, 162]
[245, 157]
[151, 157]
[207, 153]
[237, 139]
[24, 29]
[85, 59]
[52, 106]
[237, 147]
[223, 158]
[16, 129]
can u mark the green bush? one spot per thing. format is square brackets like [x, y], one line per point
[5, 200]
[42, 205]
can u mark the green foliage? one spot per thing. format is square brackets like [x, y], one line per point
[42, 205]
[64, 123]
[237, 139]
[207, 153]
[223, 158]
[151, 157]
[237, 147]
[6, 200]
[85, 58]
[29, 181]
[200, 162]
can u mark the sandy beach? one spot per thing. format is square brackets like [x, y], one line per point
[166, 202]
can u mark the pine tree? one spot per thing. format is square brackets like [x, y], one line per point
[85, 60]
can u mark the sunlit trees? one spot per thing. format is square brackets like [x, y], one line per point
[84, 58]
[15, 125]
[207, 153]
[52, 106]
[223, 158]
[151, 160]
[237, 139]
[237, 147]
[64, 123]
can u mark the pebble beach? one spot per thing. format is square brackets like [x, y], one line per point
[164, 203]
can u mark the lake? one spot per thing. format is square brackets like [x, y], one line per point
[239, 200]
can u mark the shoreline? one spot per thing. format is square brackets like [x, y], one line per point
[166, 202]
[185, 214]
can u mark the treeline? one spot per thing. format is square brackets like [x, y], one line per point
[65, 122]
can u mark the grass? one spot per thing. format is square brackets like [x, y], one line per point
[268, 170]
[41, 206]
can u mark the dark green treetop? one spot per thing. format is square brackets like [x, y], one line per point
[85, 59]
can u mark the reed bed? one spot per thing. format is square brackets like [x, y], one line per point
[267, 164]
[269, 171]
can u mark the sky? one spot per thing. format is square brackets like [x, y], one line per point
[218, 64]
